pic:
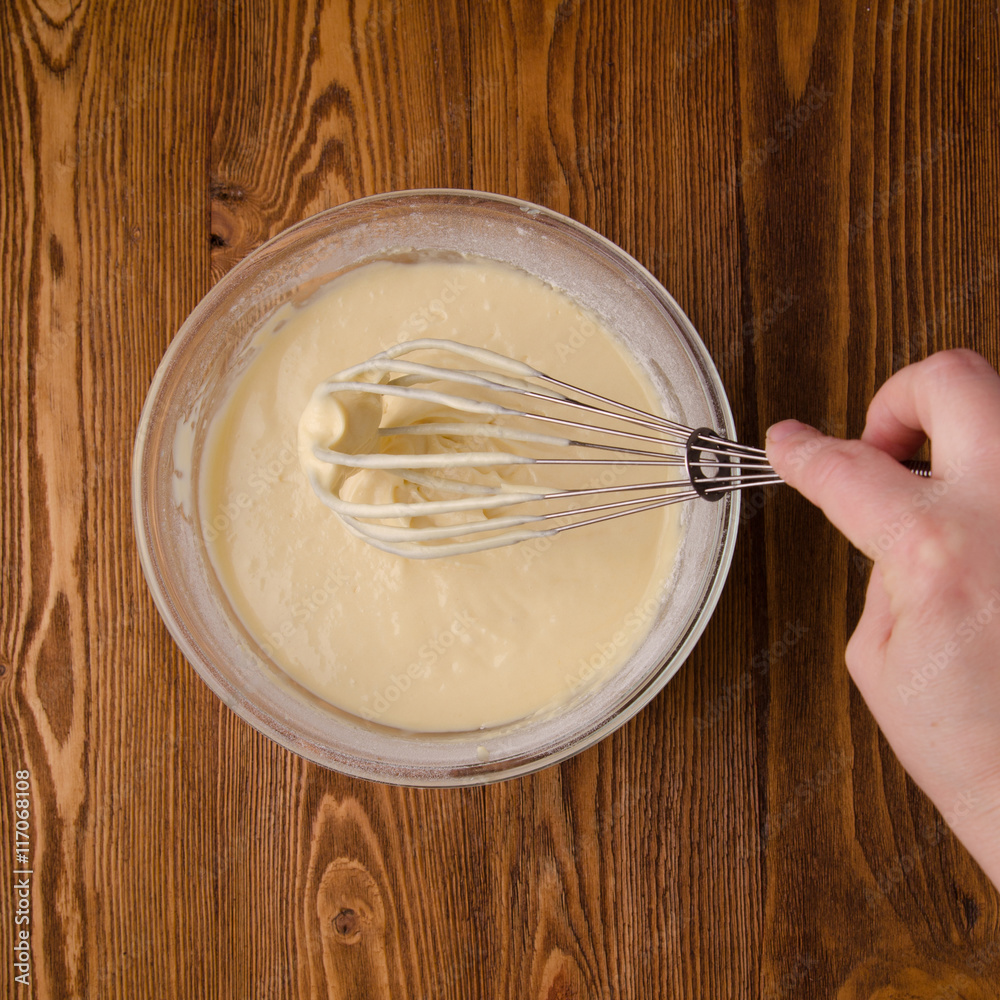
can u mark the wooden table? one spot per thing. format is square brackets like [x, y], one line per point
[817, 184]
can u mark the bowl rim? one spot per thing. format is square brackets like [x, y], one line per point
[247, 709]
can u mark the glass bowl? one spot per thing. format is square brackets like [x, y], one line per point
[213, 348]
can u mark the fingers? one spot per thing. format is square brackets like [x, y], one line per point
[860, 488]
[886, 431]
[953, 397]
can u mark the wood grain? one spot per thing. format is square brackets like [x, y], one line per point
[817, 185]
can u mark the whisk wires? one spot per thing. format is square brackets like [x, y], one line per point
[456, 453]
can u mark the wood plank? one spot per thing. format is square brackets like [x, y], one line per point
[346, 101]
[98, 196]
[865, 239]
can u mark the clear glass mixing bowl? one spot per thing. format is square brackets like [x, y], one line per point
[214, 346]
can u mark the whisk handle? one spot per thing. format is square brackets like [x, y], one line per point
[919, 468]
[702, 444]
[708, 456]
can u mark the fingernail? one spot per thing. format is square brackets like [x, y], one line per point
[778, 432]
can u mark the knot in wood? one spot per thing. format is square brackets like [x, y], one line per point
[347, 924]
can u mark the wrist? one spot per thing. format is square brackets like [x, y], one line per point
[973, 815]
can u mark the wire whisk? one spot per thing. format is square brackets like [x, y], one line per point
[430, 460]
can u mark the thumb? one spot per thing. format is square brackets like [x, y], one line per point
[862, 490]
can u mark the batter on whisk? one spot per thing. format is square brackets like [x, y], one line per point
[452, 644]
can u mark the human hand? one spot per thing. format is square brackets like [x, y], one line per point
[926, 652]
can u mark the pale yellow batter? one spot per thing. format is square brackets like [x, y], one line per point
[451, 644]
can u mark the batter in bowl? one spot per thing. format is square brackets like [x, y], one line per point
[446, 645]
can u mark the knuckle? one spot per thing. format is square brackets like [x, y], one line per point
[934, 558]
[927, 543]
[829, 464]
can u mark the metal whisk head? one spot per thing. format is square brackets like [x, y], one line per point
[430, 460]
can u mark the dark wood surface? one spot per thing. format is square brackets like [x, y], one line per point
[817, 184]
